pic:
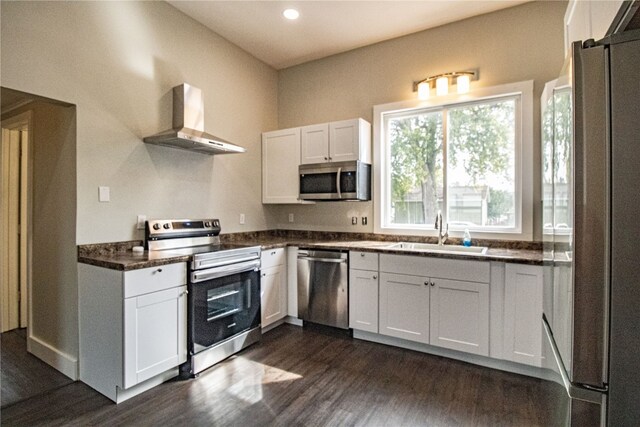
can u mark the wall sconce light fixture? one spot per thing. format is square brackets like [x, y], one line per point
[442, 81]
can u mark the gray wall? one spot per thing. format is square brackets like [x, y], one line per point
[511, 45]
[117, 62]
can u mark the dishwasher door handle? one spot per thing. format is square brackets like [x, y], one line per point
[335, 260]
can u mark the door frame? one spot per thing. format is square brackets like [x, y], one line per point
[24, 122]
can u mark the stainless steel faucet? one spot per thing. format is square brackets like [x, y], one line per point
[441, 237]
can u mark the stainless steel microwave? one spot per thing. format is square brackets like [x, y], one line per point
[335, 181]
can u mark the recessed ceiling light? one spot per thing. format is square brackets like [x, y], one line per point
[291, 14]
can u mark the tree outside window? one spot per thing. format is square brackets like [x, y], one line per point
[459, 159]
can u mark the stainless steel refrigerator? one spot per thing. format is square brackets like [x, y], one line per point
[591, 216]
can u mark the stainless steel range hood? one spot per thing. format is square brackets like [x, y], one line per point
[188, 126]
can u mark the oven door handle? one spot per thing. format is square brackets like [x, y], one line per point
[228, 270]
[338, 183]
[221, 262]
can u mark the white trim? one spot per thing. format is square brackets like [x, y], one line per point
[61, 361]
[24, 122]
[523, 157]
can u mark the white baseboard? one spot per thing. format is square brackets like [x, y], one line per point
[293, 321]
[503, 365]
[61, 361]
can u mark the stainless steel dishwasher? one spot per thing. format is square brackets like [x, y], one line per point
[323, 293]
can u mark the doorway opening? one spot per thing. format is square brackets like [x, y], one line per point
[31, 129]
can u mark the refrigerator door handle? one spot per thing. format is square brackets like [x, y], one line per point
[575, 391]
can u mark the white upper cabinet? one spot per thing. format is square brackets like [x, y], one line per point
[315, 144]
[588, 20]
[336, 142]
[280, 161]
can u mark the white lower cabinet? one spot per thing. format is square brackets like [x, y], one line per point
[273, 286]
[133, 327]
[363, 300]
[437, 303]
[363, 291]
[154, 334]
[460, 316]
[523, 299]
[404, 307]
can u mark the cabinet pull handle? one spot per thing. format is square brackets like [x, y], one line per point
[362, 254]
[433, 283]
[326, 158]
[375, 277]
[427, 283]
[185, 293]
[273, 253]
[159, 270]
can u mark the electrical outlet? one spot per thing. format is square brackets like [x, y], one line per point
[354, 220]
[241, 219]
[364, 220]
[141, 221]
[290, 217]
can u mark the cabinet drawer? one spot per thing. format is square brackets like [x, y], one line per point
[152, 279]
[363, 260]
[273, 257]
[471, 271]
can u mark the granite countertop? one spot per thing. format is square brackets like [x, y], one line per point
[119, 256]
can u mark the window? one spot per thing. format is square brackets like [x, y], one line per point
[461, 157]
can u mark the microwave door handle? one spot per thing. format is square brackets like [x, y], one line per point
[338, 183]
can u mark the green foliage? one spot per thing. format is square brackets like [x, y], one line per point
[481, 136]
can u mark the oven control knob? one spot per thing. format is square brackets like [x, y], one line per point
[156, 226]
[166, 226]
[207, 224]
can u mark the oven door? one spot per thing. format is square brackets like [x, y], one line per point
[223, 302]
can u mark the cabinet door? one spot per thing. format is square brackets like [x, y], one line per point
[404, 307]
[344, 141]
[315, 144]
[155, 338]
[460, 316]
[280, 161]
[523, 314]
[363, 300]
[273, 293]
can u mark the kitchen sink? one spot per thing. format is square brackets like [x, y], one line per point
[433, 247]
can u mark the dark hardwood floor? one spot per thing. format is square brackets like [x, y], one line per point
[311, 377]
[23, 374]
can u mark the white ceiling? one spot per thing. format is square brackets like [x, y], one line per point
[325, 27]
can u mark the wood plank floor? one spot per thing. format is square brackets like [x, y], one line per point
[23, 374]
[310, 377]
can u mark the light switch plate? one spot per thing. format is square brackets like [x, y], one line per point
[241, 218]
[104, 194]
[290, 217]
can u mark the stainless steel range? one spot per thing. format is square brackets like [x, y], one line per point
[223, 289]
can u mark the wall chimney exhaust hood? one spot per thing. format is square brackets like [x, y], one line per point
[188, 132]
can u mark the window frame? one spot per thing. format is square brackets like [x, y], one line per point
[523, 160]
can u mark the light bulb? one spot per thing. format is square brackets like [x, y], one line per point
[463, 83]
[442, 86]
[423, 90]
[291, 14]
